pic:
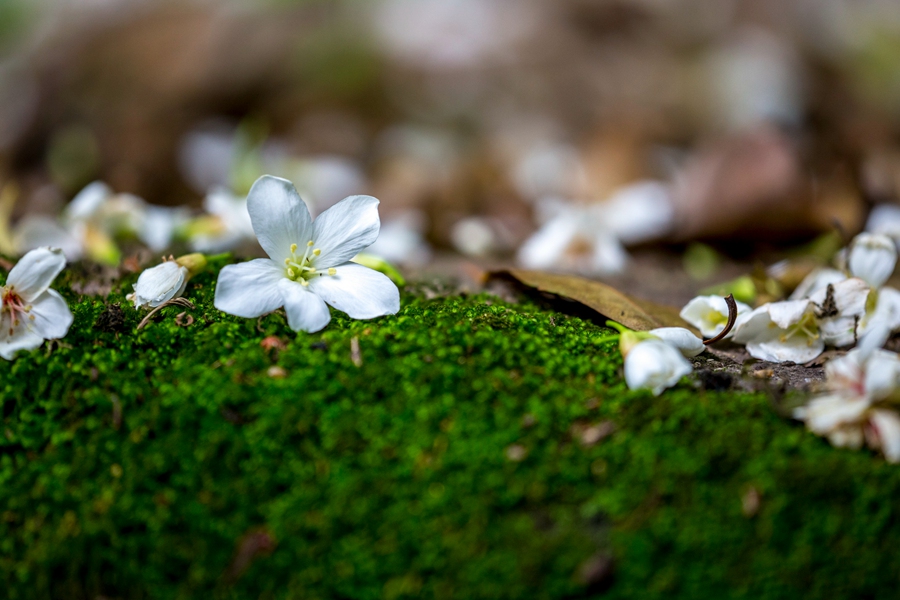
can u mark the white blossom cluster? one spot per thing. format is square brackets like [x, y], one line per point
[309, 269]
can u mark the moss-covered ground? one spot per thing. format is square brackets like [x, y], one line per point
[471, 449]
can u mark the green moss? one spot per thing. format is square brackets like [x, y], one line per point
[174, 462]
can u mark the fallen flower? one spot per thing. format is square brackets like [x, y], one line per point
[781, 332]
[655, 359]
[709, 314]
[309, 261]
[165, 281]
[839, 307]
[31, 312]
[850, 414]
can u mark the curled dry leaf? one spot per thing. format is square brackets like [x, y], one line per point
[634, 313]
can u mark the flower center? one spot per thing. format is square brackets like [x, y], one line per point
[301, 268]
[16, 307]
[806, 326]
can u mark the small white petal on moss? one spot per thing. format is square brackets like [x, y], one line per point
[159, 284]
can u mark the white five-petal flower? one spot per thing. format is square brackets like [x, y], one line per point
[31, 312]
[308, 266]
[781, 332]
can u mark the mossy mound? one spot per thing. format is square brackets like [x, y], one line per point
[471, 449]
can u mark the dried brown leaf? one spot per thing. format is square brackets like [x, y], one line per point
[634, 313]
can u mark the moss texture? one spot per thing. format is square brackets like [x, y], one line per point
[451, 462]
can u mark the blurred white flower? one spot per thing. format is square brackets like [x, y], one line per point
[474, 236]
[576, 239]
[401, 240]
[849, 414]
[654, 364]
[322, 180]
[872, 257]
[31, 312]
[781, 332]
[549, 169]
[450, 34]
[640, 212]
[885, 220]
[709, 314]
[93, 219]
[225, 226]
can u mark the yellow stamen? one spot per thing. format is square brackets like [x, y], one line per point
[332, 271]
[293, 248]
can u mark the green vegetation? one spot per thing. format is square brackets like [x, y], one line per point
[447, 459]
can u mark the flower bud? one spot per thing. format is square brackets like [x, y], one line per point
[159, 284]
[872, 258]
[654, 364]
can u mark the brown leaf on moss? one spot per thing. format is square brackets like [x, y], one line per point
[634, 313]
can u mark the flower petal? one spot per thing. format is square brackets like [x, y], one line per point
[798, 349]
[825, 414]
[34, 231]
[159, 284]
[52, 317]
[872, 258]
[358, 291]
[887, 427]
[788, 312]
[21, 339]
[249, 289]
[681, 339]
[655, 365]
[279, 216]
[816, 280]
[882, 373]
[87, 202]
[34, 273]
[345, 229]
[305, 310]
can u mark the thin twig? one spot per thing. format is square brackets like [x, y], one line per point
[355, 354]
[179, 301]
[732, 317]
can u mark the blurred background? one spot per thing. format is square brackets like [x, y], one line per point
[570, 135]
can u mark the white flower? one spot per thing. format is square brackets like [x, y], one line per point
[849, 414]
[709, 314]
[165, 281]
[681, 339]
[91, 221]
[639, 212]
[882, 317]
[840, 310]
[781, 332]
[401, 240]
[654, 364]
[31, 312]
[872, 258]
[575, 239]
[308, 264]
[226, 225]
